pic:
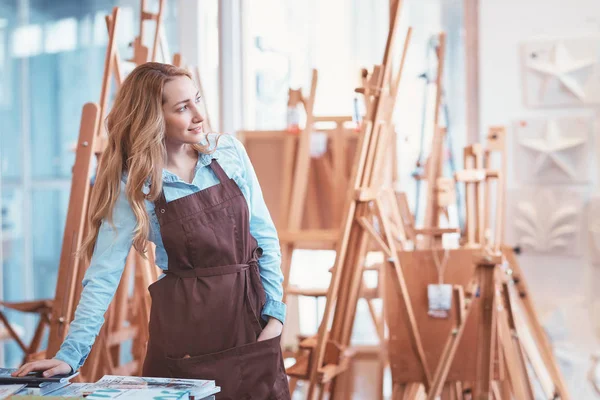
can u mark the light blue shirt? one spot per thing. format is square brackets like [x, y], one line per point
[113, 245]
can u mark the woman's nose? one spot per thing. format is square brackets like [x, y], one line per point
[197, 115]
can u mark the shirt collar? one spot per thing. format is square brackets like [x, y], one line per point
[203, 161]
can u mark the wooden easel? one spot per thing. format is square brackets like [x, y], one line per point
[134, 310]
[56, 313]
[498, 319]
[440, 190]
[298, 176]
[328, 355]
[292, 233]
[105, 353]
[496, 144]
[300, 219]
[505, 331]
[127, 317]
[141, 52]
[304, 221]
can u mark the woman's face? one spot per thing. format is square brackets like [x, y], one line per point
[181, 101]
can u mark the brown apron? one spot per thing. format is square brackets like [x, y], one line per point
[206, 311]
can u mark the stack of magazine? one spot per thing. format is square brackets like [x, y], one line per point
[109, 387]
[136, 387]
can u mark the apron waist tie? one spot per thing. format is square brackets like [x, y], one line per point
[220, 270]
[211, 271]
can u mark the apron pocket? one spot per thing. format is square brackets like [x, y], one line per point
[260, 368]
[243, 373]
[223, 367]
[212, 237]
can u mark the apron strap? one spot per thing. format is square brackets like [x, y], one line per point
[218, 170]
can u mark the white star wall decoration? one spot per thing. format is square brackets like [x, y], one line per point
[562, 72]
[553, 150]
[563, 68]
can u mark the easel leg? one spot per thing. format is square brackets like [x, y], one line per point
[292, 384]
[414, 391]
[516, 363]
[458, 390]
[447, 392]
[487, 331]
[538, 332]
[496, 391]
[398, 391]
[342, 386]
[449, 352]
[37, 338]
[505, 390]
[12, 332]
[381, 376]
[323, 388]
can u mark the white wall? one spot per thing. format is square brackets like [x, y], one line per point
[563, 287]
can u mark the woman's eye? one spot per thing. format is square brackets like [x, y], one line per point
[198, 99]
[182, 109]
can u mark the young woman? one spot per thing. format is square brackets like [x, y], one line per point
[217, 312]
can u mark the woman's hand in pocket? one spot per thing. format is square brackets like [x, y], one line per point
[273, 329]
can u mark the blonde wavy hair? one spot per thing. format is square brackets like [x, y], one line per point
[136, 133]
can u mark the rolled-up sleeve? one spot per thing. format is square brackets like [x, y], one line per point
[100, 283]
[263, 230]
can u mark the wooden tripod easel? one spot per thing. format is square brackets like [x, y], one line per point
[293, 233]
[306, 181]
[56, 313]
[141, 52]
[499, 320]
[134, 310]
[121, 325]
[440, 190]
[305, 220]
[328, 354]
[127, 316]
[306, 199]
